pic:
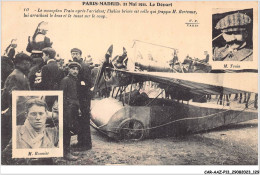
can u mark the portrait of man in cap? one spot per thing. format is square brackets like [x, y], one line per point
[232, 36]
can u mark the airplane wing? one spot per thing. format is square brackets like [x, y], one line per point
[200, 83]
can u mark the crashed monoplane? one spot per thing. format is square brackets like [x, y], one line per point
[141, 104]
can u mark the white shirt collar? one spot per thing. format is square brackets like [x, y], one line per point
[50, 60]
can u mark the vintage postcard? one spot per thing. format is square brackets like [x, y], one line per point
[141, 83]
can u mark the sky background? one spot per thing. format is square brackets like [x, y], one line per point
[94, 35]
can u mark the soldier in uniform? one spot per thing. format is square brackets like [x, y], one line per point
[234, 31]
[85, 84]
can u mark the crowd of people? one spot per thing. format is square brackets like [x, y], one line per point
[42, 71]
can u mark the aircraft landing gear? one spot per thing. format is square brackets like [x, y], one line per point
[132, 130]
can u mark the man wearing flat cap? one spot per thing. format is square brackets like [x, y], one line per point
[17, 80]
[85, 84]
[69, 85]
[234, 31]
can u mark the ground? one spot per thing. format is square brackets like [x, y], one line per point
[236, 144]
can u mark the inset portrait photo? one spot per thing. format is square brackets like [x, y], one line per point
[232, 34]
[37, 123]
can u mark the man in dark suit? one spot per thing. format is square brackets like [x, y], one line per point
[17, 80]
[51, 74]
[85, 83]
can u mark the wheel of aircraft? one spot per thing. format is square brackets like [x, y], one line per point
[132, 130]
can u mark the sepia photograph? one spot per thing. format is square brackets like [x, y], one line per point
[36, 127]
[232, 35]
[154, 84]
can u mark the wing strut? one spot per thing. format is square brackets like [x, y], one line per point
[129, 98]
[157, 96]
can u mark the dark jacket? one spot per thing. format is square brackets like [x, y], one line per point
[11, 53]
[241, 54]
[84, 78]
[15, 81]
[51, 76]
[7, 67]
[69, 86]
[35, 72]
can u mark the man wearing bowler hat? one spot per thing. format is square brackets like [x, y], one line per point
[85, 83]
[234, 30]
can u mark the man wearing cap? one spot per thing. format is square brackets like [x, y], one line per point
[17, 80]
[85, 83]
[69, 85]
[234, 31]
